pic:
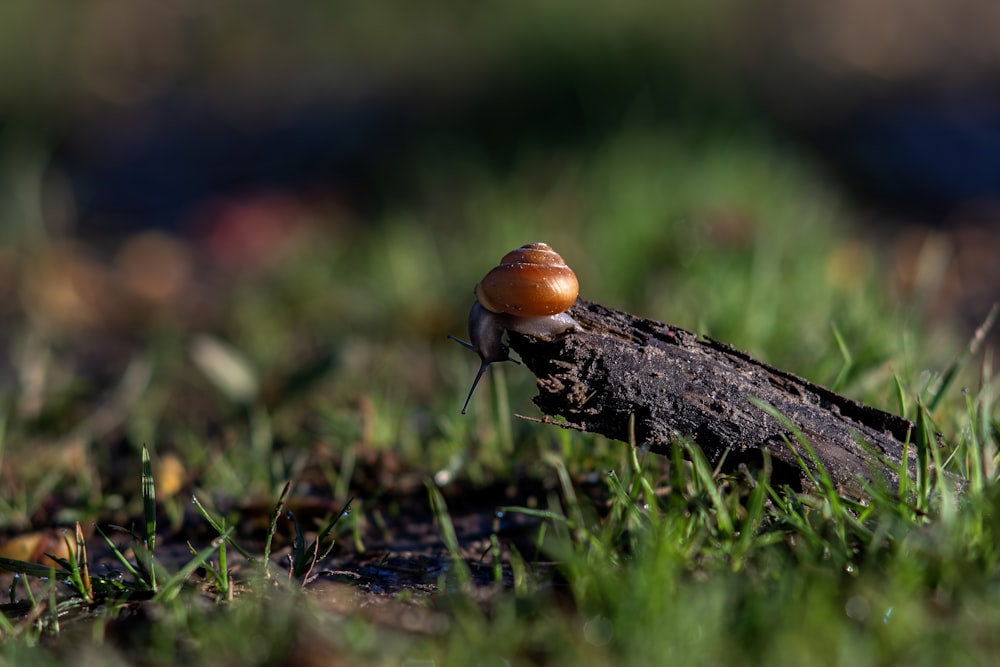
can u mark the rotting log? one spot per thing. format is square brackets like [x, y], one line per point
[676, 384]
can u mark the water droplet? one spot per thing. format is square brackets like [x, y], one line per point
[888, 613]
[346, 512]
[498, 514]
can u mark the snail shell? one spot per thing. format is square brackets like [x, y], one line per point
[531, 281]
[527, 292]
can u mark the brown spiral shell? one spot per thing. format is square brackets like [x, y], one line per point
[531, 281]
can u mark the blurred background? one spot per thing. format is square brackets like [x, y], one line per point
[320, 186]
[238, 233]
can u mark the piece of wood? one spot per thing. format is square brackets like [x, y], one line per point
[679, 384]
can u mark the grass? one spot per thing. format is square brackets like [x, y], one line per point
[333, 371]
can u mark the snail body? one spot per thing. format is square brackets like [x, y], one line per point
[528, 292]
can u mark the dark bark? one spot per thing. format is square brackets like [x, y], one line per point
[679, 384]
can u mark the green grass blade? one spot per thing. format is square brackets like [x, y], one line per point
[638, 469]
[447, 530]
[924, 444]
[755, 514]
[900, 395]
[706, 476]
[7, 628]
[81, 563]
[821, 476]
[929, 460]
[71, 565]
[32, 569]
[495, 558]
[219, 527]
[624, 509]
[819, 472]
[171, 587]
[504, 426]
[223, 583]
[974, 460]
[845, 354]
[519, 572]
[149, 514]
[141, 581]
[324, 534]
[549, 515]
[302, 558]
[273, 526]
[978, 338]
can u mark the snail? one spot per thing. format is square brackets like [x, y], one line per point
[528, 292]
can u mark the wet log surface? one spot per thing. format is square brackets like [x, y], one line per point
[678, 384]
